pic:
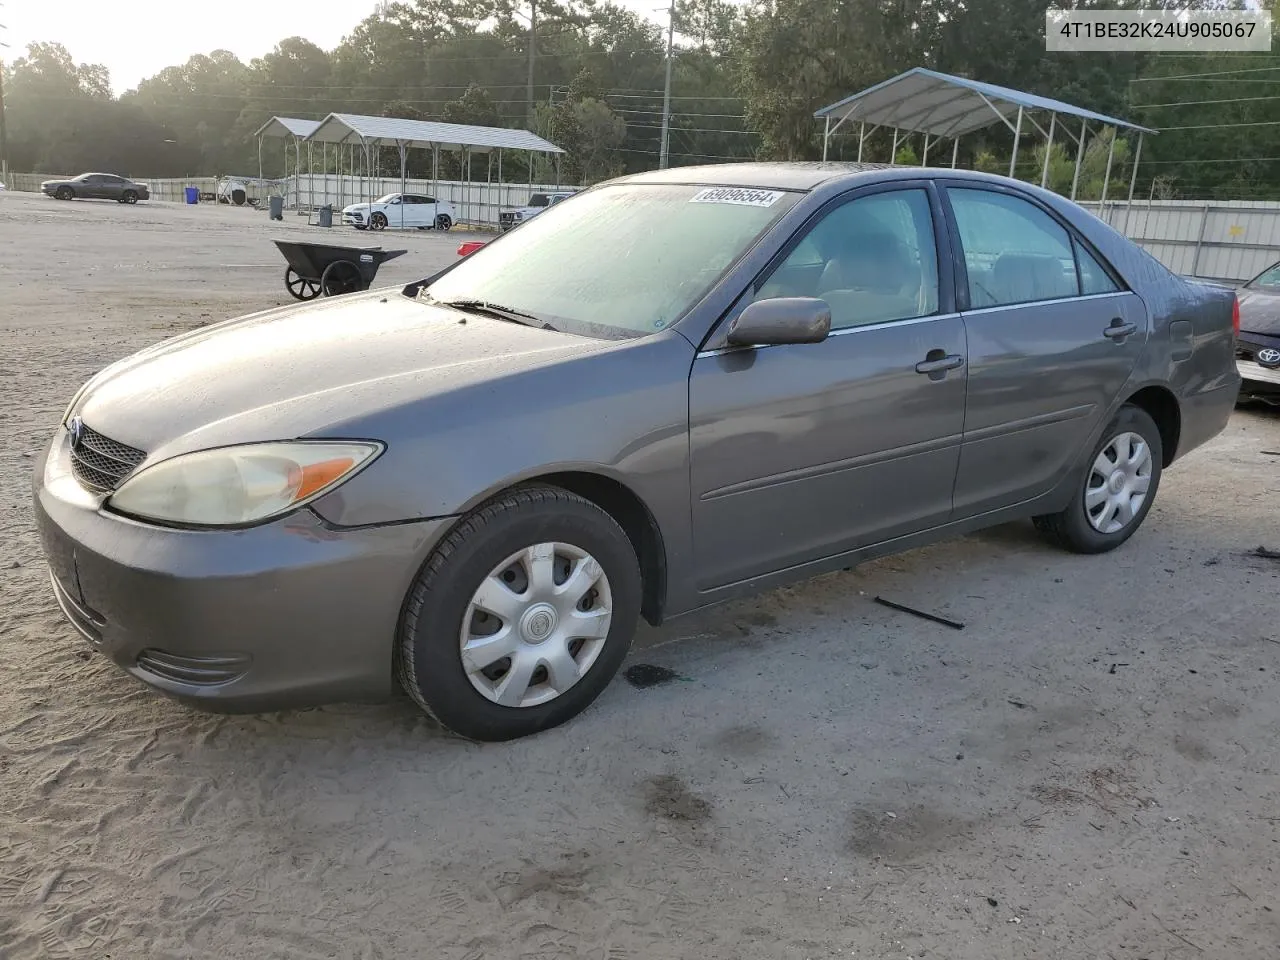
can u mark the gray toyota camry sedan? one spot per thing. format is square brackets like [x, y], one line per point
[669, 390]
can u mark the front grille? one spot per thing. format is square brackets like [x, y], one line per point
[100, 463]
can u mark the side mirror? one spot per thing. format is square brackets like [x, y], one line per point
[781, 320]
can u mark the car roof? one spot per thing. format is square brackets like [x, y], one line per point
[800, 176]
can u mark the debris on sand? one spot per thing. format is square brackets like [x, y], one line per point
[953, 624]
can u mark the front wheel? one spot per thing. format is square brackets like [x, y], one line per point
[1119, 485]
[378, 221]
[64, 193]
[521, 616]
[130, 196]
[339, 277]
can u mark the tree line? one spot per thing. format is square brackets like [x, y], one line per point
[588, 75]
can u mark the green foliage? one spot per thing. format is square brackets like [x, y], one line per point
[746, 81]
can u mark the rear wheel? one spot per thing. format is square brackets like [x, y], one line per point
[300, 287]
[339, 277]
[64, 193]
[1119, 486]
[444, 222]
[521, 616]
[378, 221]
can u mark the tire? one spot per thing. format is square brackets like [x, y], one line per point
[299, 287]
[129, 196]
[64, 193]
[378, 221]
[1073, 529]
[339, 277]
[430, 662]
[444, 222]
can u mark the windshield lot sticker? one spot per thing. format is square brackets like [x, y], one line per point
[738, 195]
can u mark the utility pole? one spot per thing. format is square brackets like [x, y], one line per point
[4, 139]
[533, 53]
[664, 150]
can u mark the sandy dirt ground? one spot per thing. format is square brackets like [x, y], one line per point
[1089, 769]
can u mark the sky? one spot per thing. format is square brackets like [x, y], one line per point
[140, 38]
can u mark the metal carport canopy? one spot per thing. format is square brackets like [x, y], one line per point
[425, 134]
[287, 127]
[942, 105]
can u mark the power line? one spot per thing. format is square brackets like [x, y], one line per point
[1223, 126]
[1198, 103]
[1205, 76]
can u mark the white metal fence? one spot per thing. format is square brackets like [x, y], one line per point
[1228, 240]
[1216, 239]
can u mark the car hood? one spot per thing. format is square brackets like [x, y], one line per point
[1259, 312]
[313, 369]
[353, 207]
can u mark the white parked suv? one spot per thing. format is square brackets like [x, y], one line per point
[537, 203]
[400, 211]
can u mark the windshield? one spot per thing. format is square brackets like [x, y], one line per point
[539, 200]
[618, 261]
[387, 198]
[1269, 280]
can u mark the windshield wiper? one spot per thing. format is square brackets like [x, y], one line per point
[497, 310]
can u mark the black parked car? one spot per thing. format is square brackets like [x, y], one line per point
[1258, 347]
[97, 186]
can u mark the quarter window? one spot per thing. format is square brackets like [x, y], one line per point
[873, 260]
[1014, 252]
[1093, 279]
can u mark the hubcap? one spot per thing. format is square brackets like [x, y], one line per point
[1118, 483]
[536, 624]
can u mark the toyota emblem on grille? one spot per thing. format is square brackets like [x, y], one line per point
[76, 429]
[1270, 357]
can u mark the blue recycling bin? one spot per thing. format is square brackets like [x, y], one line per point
[193, 194]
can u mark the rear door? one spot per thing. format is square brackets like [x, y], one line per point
[1053, 337]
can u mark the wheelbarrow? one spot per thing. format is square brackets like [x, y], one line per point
[329, 268]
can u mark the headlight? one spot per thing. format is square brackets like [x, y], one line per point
[240, 486]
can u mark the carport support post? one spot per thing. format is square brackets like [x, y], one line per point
[924, 160]
[893, 151]
[259, 161]
[404, 162]
[1017, 135]
[1075, 180]
[1133, 182]
[862, 136]
[955, 152]
[826, 135]
[1106, 177]
[1048, 151]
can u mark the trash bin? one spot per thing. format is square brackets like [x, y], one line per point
[276, 207]
[326, 215]
[193, 194]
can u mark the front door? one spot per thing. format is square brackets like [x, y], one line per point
[801, 452]
[1053, 338]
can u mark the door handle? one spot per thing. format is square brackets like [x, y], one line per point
[1119, 329]
[940, 364]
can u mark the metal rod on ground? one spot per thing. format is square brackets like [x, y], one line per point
[1084, 136]
[1048, 151]
[663, 154]
[862, 135]
[1017, 135]
[826, 135]
[955, 152]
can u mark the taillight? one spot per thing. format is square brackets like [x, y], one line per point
[1235, 315]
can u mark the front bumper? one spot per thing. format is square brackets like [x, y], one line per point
[292, 613]
[353, 219]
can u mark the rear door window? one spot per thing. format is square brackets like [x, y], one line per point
[1014, 252]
